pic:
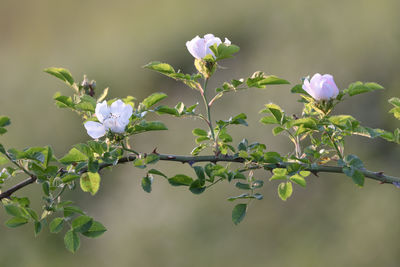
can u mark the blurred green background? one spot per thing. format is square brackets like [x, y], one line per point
[330, 223]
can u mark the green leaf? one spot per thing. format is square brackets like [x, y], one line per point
[298, 180]
[62, 74]
[359, 88]
[72, 241]
[242, 186]
[166, 110]
[260, 80]
[146, 126]
[74, 155]
[37, 227]
[358, 178]
[277, 130]
[70, 210]
[63, 101]
[90, 182]
[153, 99]
[14, 210]
[146, 183]
[69, 177]
[56, 225]
[298, 88]
[285, 190]
[198, 149]
[224, 51]
[238, 213]
[269, 120]
[4, 121]
[197, 187]
[395, 101]
[16, 221]
[163, 68]
[200, 173]
[82, 224]
[96, 230]
[199, 132]
[157, 172]
[180, 179]
[309, 123]
[2, 131]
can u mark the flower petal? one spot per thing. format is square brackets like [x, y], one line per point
[126, 114]
[196, 47]
[95, 129]
[102, 111]
[117, 107]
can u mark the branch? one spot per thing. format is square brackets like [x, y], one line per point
[9, 192]
[379, 176]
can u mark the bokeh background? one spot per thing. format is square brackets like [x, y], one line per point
[332, 222]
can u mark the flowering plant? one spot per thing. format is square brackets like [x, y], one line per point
[318, 140]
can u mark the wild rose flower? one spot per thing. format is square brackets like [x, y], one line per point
[200, 47]
[114, 118]
[321, 87]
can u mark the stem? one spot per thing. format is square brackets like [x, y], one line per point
[334, 144]
[207, 106]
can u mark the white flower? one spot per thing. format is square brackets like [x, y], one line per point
[321, 87]
[200, 47]
[114, 118]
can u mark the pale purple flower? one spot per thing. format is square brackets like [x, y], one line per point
[200, 47]
[321, 87]
[397, 184]
[114, 118]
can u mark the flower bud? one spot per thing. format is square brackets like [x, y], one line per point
[321, 87]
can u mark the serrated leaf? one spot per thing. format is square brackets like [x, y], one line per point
[197, 187]
[62, 74]
[157, 172]
[166, 110]
[359, 88]
[13, 210]
[298, 180]
[56, 225]
[238, 213]
[242, 186]
[163, 68]
[16, 221]
[146, 183]
[96, 230]
[82, 223]
[180, 179]
[199, 132]
[37, 227]
[4, 121]
[146, 126]
[74, 155]
[153, 99]
[285, 190]
[90, 182]
[72, 241]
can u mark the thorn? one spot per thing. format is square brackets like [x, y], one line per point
[315, 173]
[155, 151]
[379, 174]
[295, 117]
[171, 157]
[190, 162]
[381, 182]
